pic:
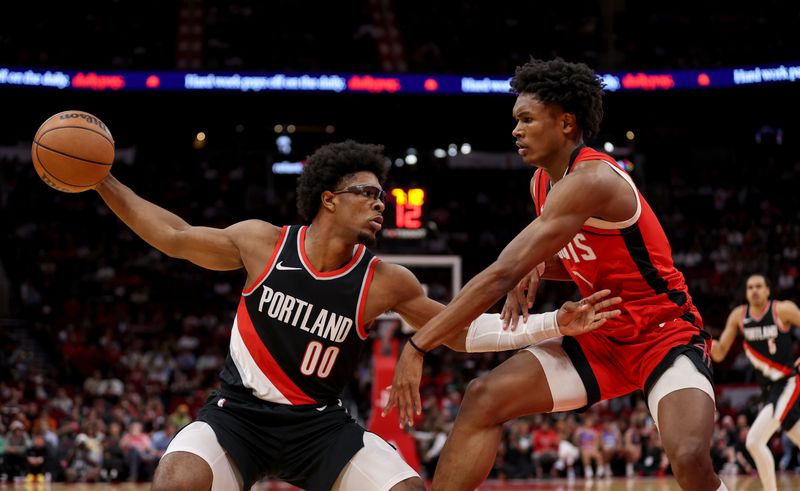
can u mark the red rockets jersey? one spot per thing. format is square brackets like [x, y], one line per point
[299, 332]
[633, 259]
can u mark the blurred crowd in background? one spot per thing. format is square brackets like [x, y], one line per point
[115, 346]
[400, 36]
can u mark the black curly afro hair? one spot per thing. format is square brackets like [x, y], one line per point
[573, 86]
[332, 164]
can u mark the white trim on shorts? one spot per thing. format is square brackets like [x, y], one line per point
[785, 400]
[376, 467]
[198, 438]
[682, 374]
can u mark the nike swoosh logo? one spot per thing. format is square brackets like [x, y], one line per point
[281, 267]
[320, 409]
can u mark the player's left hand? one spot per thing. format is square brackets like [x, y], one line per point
[575, 318]
[404, 391]
[520, 299]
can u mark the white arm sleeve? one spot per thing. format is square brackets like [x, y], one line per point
[486, 332]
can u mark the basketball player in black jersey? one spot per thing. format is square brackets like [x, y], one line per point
[766, 326]
[311, 294]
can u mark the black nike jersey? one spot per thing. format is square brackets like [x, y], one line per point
[768, 343]
[298, 332]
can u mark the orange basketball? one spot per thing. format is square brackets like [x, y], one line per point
[72, 151]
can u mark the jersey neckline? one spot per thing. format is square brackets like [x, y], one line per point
[358, 253]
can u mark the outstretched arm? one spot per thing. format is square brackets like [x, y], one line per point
[211, 248]
[410, 301]
[568, 207]
[720, 348]
[486, 333]
[573, 319]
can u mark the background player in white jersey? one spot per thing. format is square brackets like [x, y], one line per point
[311, 293]
[768, 343]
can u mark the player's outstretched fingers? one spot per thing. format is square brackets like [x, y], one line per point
[408, 406]
[401, 408]
[391, 401]
[608, 314]
[511, 310]
[522, 302]
[604, 304]
[600, 318]
[596, 297]
[533, 286]
[504, 315]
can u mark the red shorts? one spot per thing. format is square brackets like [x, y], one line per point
[611, 368]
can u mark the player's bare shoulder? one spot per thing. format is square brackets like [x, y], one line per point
[254, 230]
[392, 288]
[255, 239]
[736, 316]
[613, 197]
[394, 283]
[788, 312]
[595, 172]
[591, 183]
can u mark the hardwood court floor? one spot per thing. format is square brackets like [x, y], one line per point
[786, 482]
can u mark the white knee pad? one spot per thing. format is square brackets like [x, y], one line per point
[566, 386]
[199, 439]
[681, 375]
[376, 467]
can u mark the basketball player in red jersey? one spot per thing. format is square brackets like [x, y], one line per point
[769, 345]
[594, 228]
[311, 294]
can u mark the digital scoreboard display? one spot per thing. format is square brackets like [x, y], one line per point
[404, 217]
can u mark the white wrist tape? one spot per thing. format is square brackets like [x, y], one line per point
[486, 332]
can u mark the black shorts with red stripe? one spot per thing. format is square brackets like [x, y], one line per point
[306, 446]
[785, 398]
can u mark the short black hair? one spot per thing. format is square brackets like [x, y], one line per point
[573, 86]
[766, 280]
[331, 164]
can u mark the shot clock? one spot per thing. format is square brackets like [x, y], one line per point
[405, 214]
